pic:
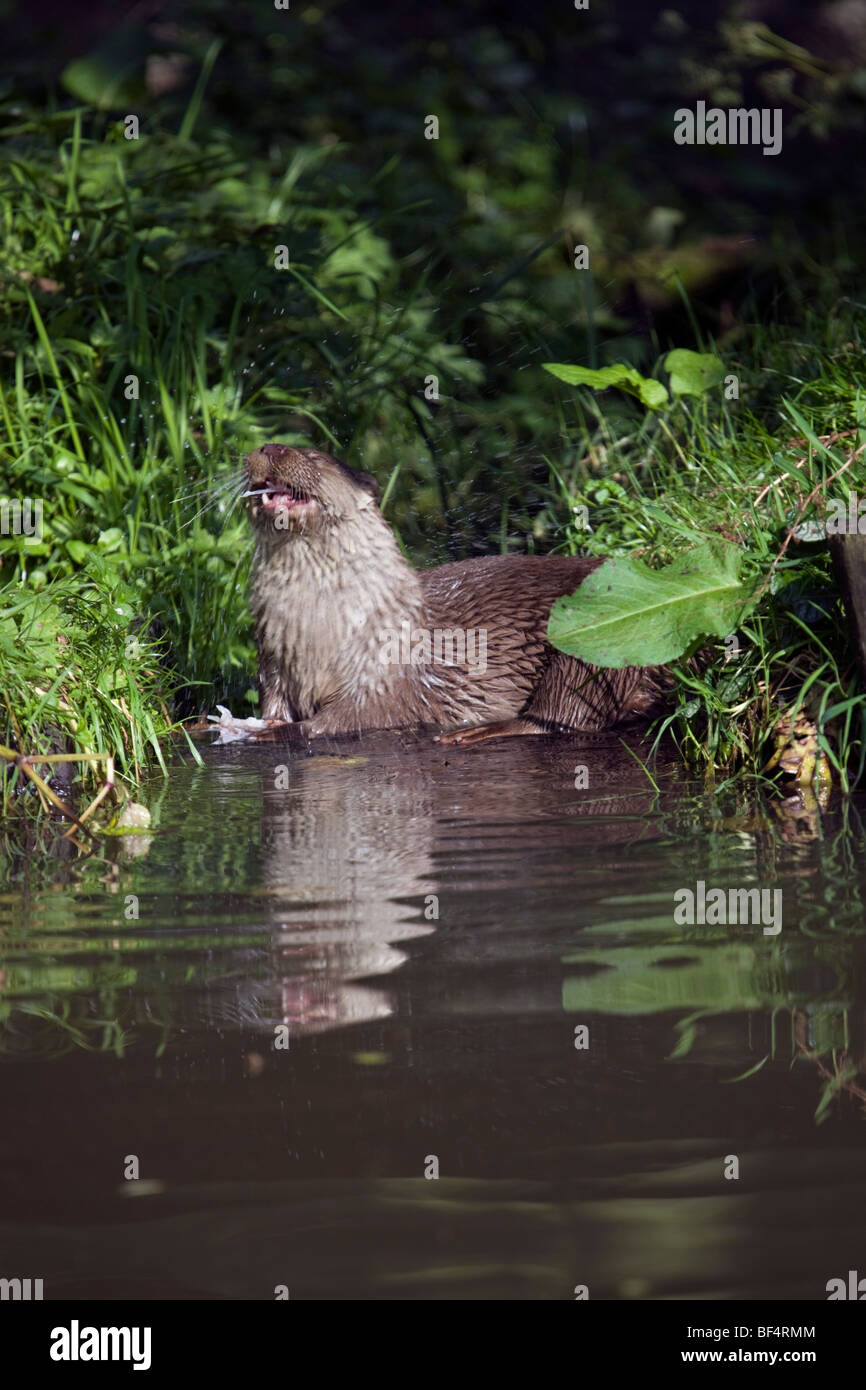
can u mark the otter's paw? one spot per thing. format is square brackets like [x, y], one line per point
[456, 736]
[506, 728]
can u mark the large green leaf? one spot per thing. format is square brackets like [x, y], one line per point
[625, 614]
[649, 392]
[693, 373]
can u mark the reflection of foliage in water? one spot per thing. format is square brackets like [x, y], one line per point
[809, 974]
[107, 1007]
[75, 973]
[65, 1026]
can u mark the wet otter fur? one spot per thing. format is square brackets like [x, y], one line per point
[347, 630]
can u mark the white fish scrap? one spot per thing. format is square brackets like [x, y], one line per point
[229, 728]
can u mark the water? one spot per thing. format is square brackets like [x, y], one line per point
[426, 929]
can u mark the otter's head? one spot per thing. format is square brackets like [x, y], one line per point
[299, 491]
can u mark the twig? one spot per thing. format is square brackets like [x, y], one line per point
[107, 786]
[826, 440]
[24, 761]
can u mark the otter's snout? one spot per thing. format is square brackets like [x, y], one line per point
[284, 487]
[301, 488]
[277, 461]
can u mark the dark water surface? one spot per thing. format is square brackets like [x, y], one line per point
[433, 926]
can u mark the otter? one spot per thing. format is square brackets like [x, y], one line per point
[350, 638]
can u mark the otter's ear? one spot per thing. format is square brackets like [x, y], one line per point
[369, 482]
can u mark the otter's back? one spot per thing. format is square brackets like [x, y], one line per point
[510, 595]
[508, 598]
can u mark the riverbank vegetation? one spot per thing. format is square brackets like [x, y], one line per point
[148, 342]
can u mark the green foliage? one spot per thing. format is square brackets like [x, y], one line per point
[626, 614]
[409, 258]
[649, 392]
[754, 469]
[73, 675]
[693, 373]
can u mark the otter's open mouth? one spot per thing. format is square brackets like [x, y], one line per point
[279, 498]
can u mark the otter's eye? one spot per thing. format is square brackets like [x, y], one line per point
[369, 482]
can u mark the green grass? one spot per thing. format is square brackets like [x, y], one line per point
[751, 469]
[74, 679]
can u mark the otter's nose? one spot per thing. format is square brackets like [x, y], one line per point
[260, 462]
[275, 454]
[266, 455]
